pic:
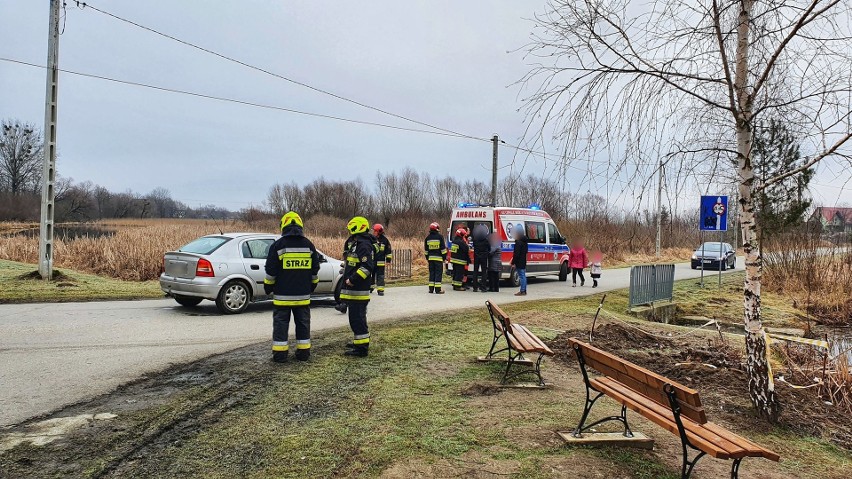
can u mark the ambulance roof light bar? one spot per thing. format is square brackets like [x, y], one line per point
[462, 204]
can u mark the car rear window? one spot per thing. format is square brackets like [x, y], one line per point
[204, 245]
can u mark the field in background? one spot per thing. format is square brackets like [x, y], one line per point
[132, 249]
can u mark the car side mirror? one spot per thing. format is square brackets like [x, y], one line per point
[323, 259]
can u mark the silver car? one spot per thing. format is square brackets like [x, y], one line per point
[229, 269]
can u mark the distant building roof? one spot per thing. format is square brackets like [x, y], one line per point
[829, 213]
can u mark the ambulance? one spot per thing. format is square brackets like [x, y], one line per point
[548, 253]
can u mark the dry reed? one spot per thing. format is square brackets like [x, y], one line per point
[134, 248]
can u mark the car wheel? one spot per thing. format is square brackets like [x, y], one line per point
[734, 264]
[188, 301]
[514, 280]
[563, 272]
[723, 265]
[233, 298]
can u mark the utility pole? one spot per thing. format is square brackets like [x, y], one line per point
[494, 141]
[48, 177]
[659, 209]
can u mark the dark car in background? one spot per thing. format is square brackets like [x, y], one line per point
[714, 255]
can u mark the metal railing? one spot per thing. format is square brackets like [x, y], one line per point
[651, 283]
[400, 267]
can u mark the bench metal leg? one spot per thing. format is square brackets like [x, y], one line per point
[582, 427]
[492, 351]
[735, 468]
[535, 370]
[687, 465]
[498, 331]
[686, 468]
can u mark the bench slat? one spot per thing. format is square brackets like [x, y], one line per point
[526, 343]
[534, 341]
[741, 441]
[724, 445]
[642, 380]
[662, 421]
[727, 442]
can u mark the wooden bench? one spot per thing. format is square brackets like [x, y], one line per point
[668, 404]
[519, 341]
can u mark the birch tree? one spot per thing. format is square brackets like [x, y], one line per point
[689, 79]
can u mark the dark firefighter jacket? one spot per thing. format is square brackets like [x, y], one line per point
[359, 262]
[434, 247]
[384, 253]
[291, 268]
[459, 251]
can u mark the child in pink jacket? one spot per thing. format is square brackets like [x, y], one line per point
[577, 261]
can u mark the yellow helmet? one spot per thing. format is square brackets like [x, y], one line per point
[357, 225]
[290, 218]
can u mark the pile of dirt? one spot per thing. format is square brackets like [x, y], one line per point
[57, 276]
[716, 371]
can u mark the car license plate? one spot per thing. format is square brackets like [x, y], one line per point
[707, 261]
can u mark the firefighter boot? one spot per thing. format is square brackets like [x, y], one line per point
[303, 354]
[431, 289]
[439, 290]
[358, 350]
[280, 356]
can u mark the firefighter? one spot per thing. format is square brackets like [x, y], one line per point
[291, 276]
[459, 257]
[359, 261]
[436, 251]
[384, 256]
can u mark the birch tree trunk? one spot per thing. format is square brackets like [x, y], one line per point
[760, 383]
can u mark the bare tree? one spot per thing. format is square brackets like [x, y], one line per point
[689, 79]
[21, 154]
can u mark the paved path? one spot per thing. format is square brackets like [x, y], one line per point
[53, 355]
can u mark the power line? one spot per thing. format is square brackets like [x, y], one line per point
[546, 156]
[241, 102]
[273, 74]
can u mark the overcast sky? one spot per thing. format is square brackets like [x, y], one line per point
[447, 63]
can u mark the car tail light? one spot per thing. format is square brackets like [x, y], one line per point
[204, 269]
[163, 265]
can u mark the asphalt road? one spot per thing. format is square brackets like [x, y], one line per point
[53, 355]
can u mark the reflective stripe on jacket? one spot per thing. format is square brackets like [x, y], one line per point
[459, 251]
[384, 253]
[292, 265]
[434, 247]
[359, 263]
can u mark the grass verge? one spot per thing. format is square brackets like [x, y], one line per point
[22, 285]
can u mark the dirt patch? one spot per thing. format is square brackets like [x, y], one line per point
[716, 370]
[58, 276]
[469, 466]
[480, 390]
[439, 368]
